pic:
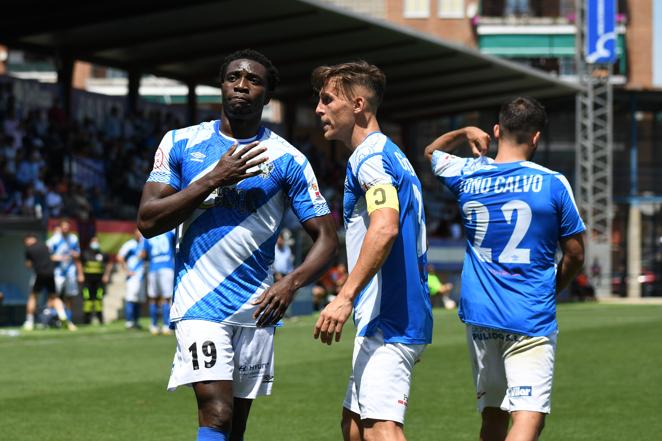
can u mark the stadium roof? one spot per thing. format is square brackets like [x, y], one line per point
[187, 40]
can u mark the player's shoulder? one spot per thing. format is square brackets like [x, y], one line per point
[279, 147]
[374, 144]
[195, 134]
[553, 175]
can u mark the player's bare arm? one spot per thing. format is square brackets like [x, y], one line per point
[273, 303]
[571, 262]
[478, 140]
[382, 232]
[162, 207]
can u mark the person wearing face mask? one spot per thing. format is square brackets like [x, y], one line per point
[97, 267]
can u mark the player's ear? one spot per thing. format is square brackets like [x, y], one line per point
[496, 130]
[359, 104]
[536, 138]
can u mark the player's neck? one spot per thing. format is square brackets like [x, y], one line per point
[509, 152]
[362, 128]
[240, 128]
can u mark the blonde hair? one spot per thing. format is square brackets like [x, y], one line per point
[348, 75]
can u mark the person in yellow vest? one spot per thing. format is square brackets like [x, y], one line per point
[97, 267]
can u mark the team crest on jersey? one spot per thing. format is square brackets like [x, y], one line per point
[266, 168]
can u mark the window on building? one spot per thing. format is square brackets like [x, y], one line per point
[451, 8]
[417, 8]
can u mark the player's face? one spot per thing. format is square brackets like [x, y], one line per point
[65, 227]
[244, 89]
[336, 113]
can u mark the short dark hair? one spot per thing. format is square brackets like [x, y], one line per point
[521, 118]
[359, 73]
[250, 54]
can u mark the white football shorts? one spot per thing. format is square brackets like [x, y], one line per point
[67, 284]
[511, 371]
[381, 377]
[135, 289]
[161, 283]
[209, 351]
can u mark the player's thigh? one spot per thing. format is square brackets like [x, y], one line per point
[489, 375]
[166, 282]
[204, 353]
[152, 285]
[382, 373]
[253, 362]
[134, 289]
[529, 366]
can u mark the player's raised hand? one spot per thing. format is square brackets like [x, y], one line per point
[479, 141]
[332, 319]
[233, 165]
[273, 303]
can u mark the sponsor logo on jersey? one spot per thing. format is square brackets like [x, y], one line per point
[520, 391]
[267, 379]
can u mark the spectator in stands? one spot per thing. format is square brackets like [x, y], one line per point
[283, 257]
[439, 291]
[38, 258]
[326, 288]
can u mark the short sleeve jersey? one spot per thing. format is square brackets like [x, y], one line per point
[161, 251]
[226, 248]
[131, 253]
[396, 300]
[514, 215]
[63, 246]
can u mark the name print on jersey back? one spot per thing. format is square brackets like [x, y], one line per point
[501, 184]
[514, 216]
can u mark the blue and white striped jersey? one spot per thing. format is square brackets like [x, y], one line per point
[131, 252]
[225, 249]
[396, 300]
[161, 251]
[63, 246]
[514, 215]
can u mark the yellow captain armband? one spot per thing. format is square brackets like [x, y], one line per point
[382, 196]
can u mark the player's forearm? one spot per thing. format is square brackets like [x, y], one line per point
[447, 142]
[375, 249]
[158, 214]
[320, 256]
[567, 269]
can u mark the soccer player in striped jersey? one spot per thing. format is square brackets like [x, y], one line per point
[131, 258]
[65, 250]
[160, 254]
[515, 214]
[386, 251]
[226, 185]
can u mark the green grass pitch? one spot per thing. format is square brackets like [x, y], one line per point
[109, 384]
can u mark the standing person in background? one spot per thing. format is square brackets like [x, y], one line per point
[229, 183]
[160, 253]
[65, 250]
[97, 268]
[38, 258]
[386, 254]
[131, 258]
[516, 213]
[283, 257]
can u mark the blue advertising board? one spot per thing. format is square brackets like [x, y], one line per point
[600, 31]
